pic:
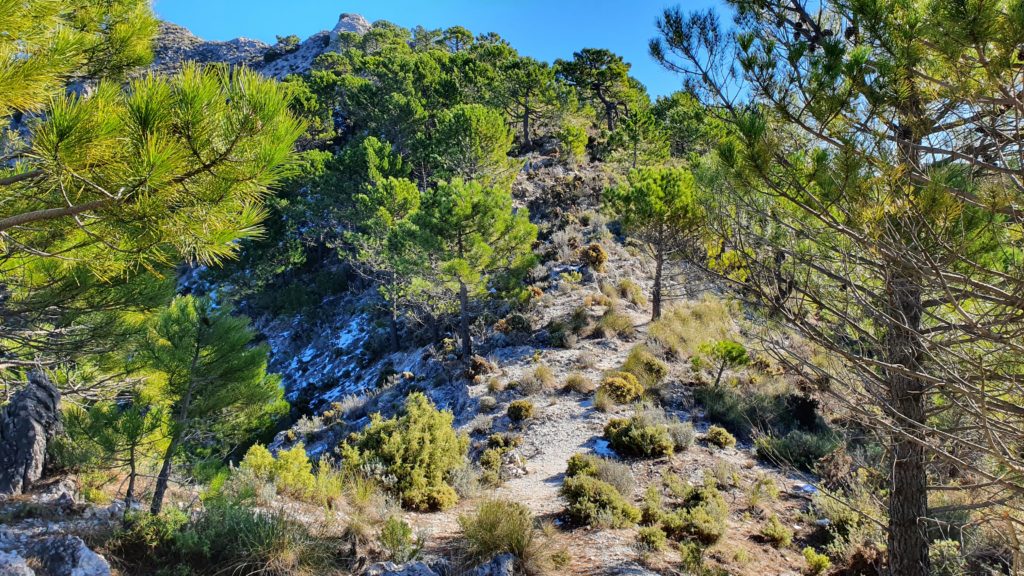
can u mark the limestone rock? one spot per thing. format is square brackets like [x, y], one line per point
[501, 565]
[68, 556]
[351, 23]
[14, 565]
[26, 425]
[392, 569]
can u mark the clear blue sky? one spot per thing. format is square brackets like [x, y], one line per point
[543, 29]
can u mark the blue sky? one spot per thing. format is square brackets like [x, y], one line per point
[543, 29]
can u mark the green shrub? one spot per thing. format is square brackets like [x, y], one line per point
[763, 488]
[817, 564]
[398, 541]
[682, 435]
[225, 536]
[635, 437]
[491, 459]
[416, 449]
[797, 448]
[615, 473]
[642, 363]
[651, 539]
[701, 516]
[945, 558]
[777, 533]
[720, 437]
[595, 257]
[293, 474]
[651, 511]
[504, 441]
[622, 387]
[572, 142]
[595, 502]
[520, 410]
[259, 462]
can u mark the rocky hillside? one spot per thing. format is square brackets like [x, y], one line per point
[542, 385]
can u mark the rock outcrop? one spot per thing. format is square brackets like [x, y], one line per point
[50, 556]
[26, 425]
[176, 45]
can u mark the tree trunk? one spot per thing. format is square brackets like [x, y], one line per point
[164, 476]
[659, 265]
[393, 321]
[526, 123]
[908, 501]
[129, 495]
[467, 341]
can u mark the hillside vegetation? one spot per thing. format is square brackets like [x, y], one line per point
[392, 301]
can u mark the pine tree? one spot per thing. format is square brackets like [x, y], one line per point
[200, 363]
[471, 142]
[660, 207]
[601, 76]
[105, 190]
[873, 196]
[471, 235]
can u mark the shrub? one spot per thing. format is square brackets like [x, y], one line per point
[504, 441]
[682, 435]
[651, 539]
[293, 472]
[572, 142]
[702, 517]
[720, 437]
[763, 488]
[259, 462]
[945, 558]
[616, 324]
[416, 449]
[797, 448]
[491, 459]
[635, 437]
[596, 502]
[520, 410]
[622, 387]
[817, 564]
[595, 257]
[514, 323]
[615, 473]
[645, 366]
[398, 541]
[632, 291]
[502, 527]
[579, 383]
[226, 536]
[777, 533]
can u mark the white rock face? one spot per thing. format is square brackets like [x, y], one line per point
[351, 23]
[176, 45]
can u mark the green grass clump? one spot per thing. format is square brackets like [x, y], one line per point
[797, 448]
[681, 330]
[632, 292]
[503, 527]
[615, 324]
[643, 364]
[579, 383]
